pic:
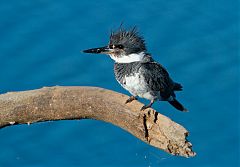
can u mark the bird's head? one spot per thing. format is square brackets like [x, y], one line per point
[124, 46]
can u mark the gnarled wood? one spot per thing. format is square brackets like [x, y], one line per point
[67, 103]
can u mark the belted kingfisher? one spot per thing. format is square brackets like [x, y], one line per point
[136, 71]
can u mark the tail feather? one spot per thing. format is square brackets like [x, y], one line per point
[177, 87]
[177, 105]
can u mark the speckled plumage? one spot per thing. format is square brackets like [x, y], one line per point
[155, 77]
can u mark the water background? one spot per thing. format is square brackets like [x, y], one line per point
[197, 41]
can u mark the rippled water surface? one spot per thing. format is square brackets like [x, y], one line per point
[197, 41]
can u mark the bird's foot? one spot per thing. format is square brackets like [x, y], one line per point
[147, 106]
[130, 99]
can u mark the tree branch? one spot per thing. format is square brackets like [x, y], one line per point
[68, 103]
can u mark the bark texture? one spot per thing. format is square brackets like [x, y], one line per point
[68, 103]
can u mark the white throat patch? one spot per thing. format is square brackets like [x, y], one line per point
[129, 58]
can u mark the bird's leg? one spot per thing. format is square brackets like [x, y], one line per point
[131, 99]
[147, 106]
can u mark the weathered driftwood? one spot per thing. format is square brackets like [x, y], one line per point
[68, 103]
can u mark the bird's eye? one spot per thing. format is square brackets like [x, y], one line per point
[120, 46]
[110, 46]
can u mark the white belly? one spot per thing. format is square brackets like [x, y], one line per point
[137, 87]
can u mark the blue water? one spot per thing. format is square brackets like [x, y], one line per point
[197, 41]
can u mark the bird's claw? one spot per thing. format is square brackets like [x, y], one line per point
[145, 107]
[130, 99]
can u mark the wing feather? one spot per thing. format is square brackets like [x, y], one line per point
[157, 78]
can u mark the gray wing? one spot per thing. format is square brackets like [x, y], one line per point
[157, 78]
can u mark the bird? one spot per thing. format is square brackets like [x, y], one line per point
[137, 71]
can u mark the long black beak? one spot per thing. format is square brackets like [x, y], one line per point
[104, 50]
